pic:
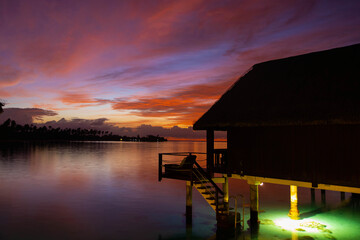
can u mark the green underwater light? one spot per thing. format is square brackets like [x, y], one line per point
[304, 225]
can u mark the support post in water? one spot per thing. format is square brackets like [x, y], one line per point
[188, 202]
[323, 198]
[342, 196]
[312, 190]
[226, 191]
[254, 204]
[294, 212]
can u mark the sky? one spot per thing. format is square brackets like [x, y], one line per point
[149, 67]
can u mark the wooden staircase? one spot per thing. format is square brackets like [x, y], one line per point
[196, 176]
[210, 191]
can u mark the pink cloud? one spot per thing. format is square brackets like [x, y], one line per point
[77, 98]
[184, 105]
[9, 76]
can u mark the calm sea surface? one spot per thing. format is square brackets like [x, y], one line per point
[109, 190]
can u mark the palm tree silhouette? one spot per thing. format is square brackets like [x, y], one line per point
[1, 105]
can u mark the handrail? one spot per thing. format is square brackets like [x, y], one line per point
[161, 160]
[199, 168]
[217, 203]
[182, 153]
[209, 178]
[242, 218]
[202, 184]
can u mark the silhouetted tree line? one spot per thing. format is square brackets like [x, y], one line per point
[1, 105]
[10, 130]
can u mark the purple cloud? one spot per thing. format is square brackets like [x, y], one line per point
[25, 115]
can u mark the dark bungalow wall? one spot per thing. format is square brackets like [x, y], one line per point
[328, 154]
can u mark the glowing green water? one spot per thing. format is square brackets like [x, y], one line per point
[337, 220]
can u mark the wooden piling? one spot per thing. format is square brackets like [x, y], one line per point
[294, 212]
[323, 198]
[254, 204]
[342, 196]
[188, 202]
[226, 191]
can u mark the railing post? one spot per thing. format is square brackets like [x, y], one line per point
[235, 212]
[217, 160]
[160, 167]
[192, 171]
[254, 205]
[217, 202]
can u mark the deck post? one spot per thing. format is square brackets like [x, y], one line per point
[355, 201]
[323, 198]
[210, 151]
[226, 191]
[254, 204]
[294, 212]
[188, 202]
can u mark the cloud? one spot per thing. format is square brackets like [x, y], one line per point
[174, 132]
[48, 107]
[64, 37]
[10, 79]
[181, 106]
[25, 115]
[28, 115]
[98, 124]
[80, 99]
[168, 59]
[9, 76]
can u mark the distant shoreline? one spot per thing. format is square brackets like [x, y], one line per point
[64, 140]
[10, 131]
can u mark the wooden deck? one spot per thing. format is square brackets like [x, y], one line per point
[180, 175]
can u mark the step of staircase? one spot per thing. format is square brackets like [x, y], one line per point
[210, 198]
[201, 181]
[206, 192]
[205, 187]
[219, 205]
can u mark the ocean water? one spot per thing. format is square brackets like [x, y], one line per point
[110, 190]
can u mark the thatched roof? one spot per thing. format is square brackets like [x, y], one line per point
[311, 89]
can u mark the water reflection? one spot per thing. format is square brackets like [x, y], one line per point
[94, 190]
[90, 190]
[294, 235]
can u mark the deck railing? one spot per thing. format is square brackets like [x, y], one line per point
[220, 160]
[176, 158]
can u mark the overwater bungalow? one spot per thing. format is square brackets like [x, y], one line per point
[292, 121]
